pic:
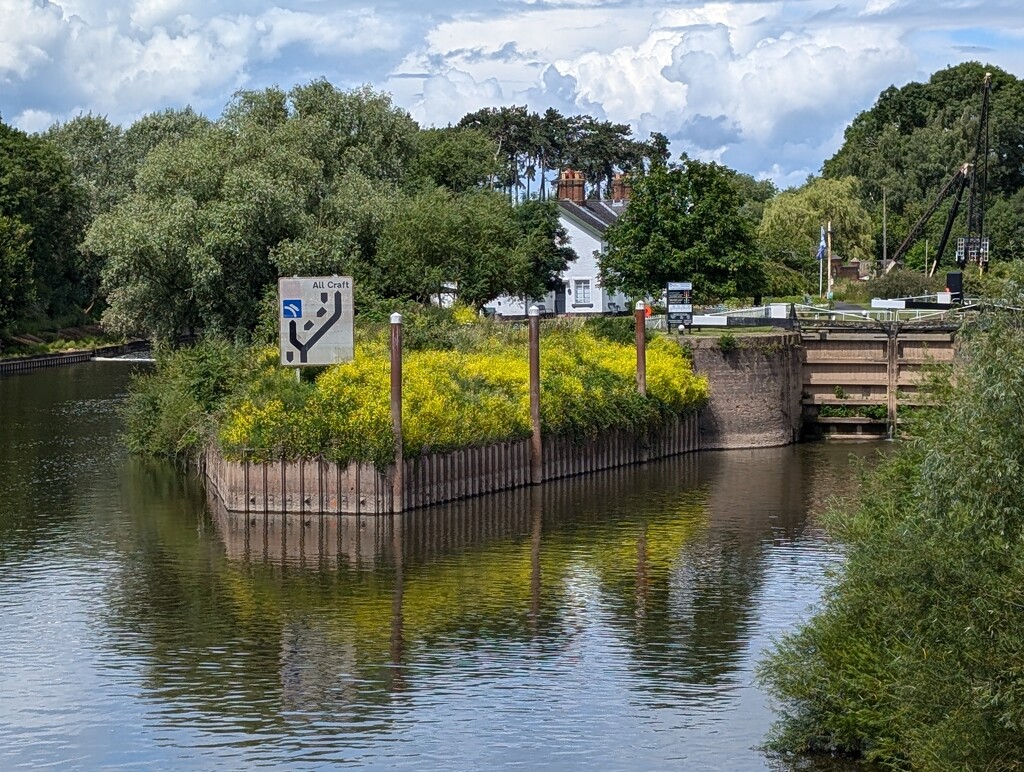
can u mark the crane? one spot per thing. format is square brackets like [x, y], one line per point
[972, 176]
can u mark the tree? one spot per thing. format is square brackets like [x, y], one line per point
[475, 245]
[683, 224]
[790, 231]
[94, 148]
[43, 214]
[217, 215]
[458, 159]
[916, 137]
[15, 269]
[546, 244]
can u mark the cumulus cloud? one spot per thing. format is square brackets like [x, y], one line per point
[766, 86]
[763, 86]
[126, 59]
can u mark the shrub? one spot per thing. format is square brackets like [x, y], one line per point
[617, 329]
[903, 283]
[454, 399]
[171, 412]
[915, 659]
[727, 342]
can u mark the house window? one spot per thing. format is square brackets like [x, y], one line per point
[581, 293]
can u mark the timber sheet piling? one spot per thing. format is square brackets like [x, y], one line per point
[318, 486]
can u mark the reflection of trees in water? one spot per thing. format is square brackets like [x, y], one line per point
[55, 446]
[688, 619]
[339, 616]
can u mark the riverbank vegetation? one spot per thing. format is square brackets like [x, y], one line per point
[461, 390]
[915, 659]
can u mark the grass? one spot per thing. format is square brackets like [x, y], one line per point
[20, 346]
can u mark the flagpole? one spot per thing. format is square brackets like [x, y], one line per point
[828, 255]
[820, 256]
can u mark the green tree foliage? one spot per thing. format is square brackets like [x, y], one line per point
[105, 158]
[532, 146]
[754, 196]
[546, 245]
[790, 230]
[458, 159]
[915, 138]
[1005, 226]
[474, 245]
[684, 223]
[15, 268]
[42, 212]
[915, 659]
[94, 147]
[218, 215]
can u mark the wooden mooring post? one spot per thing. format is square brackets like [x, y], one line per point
[536, 444]
[398, 480]
[640, 320]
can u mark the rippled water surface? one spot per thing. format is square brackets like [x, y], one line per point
[609, 622]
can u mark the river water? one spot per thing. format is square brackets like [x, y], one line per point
[612, 621]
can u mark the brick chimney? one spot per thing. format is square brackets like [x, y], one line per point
[620, 187]
[571, 186]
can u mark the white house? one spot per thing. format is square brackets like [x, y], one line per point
[585, 221]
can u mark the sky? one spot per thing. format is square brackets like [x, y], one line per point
[764, 87]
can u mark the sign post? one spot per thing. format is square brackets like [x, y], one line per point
[316, 320]
[679, 298]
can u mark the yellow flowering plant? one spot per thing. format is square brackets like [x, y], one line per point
[455, 398]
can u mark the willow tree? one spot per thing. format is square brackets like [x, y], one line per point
[214, 219]
[790, 230]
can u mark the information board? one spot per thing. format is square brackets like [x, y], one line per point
[316, 320]
[679, 298]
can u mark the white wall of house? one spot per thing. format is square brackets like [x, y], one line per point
[584, 293]
[581, 284]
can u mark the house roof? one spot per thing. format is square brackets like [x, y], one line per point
[593, 215]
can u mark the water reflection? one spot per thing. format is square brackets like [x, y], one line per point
[609, 620]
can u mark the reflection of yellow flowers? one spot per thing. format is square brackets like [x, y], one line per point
[454, 399]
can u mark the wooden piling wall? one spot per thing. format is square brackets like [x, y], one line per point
[24, 364]
[319, 486]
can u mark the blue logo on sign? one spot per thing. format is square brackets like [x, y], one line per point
[291, 309]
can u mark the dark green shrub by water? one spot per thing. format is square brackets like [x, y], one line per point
[916, 659]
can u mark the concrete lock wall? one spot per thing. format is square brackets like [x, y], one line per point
[755, 383]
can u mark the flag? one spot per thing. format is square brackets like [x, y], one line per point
[821, 246]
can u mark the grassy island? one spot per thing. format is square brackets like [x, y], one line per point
[465, 384]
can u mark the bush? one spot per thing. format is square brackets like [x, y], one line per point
[902, 283]
[171, 412]
[617, 329]
[454, 399]
[727, 342]
[915, 661]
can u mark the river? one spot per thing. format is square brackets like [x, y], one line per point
[611, 621]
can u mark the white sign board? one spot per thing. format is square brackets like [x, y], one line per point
[316, 320]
